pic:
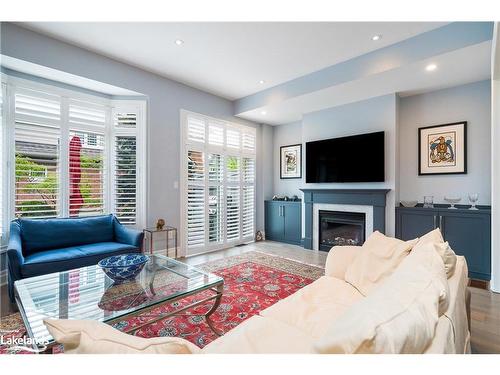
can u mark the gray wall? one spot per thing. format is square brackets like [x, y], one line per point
[165, 100]
[471, 103]
[362, 117]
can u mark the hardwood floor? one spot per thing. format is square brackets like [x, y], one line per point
[485, 305]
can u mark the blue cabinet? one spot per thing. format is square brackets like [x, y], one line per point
[283, 221]
[467, 231]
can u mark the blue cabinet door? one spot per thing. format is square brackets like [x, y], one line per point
[293, 223]
[469, 235]
[274, 221]
[413, 224]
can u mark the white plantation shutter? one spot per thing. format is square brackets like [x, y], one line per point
[196, 129]
[233, 213]
[215, 168]
[196, 166]
[216, 214]
[126, 174]
[126, 120]
[233, 138]
[196, 216]
[233, 169]
[37, 135]
[216, 134]
[248, 198]
[219, 183]
[248, 211]
[87, 124]
[248, 142]
[215, 198]
[248, 170]
[126, 179]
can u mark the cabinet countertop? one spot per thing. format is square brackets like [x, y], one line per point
[440, 207]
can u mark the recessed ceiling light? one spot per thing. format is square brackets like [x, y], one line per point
[431, 67]
[262, 81]
[376, 37]
[179, 42]
[263, 113]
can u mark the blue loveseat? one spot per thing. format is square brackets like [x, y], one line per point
[42, 246]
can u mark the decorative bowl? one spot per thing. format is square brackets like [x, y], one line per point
[452, 201]
[123, 267]
[409, 203]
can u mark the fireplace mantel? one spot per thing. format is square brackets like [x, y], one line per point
[361, 197]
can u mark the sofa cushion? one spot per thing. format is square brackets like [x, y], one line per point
[68, 258]
[399, 316]
[308, 309]
[261, 335]
[44, 234]
[92, 337]
[339, 259]
[378, 258]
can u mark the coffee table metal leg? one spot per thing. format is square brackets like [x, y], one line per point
[151, 244]
[220, 290]
[175, 243]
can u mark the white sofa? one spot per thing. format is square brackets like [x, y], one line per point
[410, 310]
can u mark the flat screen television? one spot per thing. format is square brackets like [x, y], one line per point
[358, 158]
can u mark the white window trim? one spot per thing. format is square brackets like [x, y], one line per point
[184, 114]
[11, 84]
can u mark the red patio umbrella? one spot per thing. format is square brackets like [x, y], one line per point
[75, 174]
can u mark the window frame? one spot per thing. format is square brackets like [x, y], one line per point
[10, 85]
[207, 149]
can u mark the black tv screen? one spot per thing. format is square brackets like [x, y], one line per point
[358, 158]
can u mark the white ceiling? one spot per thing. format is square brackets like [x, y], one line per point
[229, 59]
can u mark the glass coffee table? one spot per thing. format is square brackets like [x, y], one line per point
[87, 293]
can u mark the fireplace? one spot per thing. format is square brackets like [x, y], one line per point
[338, 228]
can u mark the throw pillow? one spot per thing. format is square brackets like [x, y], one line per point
[93, 337]
[377, 259]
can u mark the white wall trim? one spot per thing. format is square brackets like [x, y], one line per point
[495, 165]
[367, 210]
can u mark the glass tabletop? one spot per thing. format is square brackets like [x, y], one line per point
[166, 228]
[87, 293]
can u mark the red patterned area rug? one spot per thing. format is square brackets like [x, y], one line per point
[253, 281]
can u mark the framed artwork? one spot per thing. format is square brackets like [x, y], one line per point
[442, 149]
[291, 161]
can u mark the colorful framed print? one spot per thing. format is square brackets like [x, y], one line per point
[442, 149]
[291, 161]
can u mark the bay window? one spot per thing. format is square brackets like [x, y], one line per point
[71, 154]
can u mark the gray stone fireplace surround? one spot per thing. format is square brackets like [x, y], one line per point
[370, 201]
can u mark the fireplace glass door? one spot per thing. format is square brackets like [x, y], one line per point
[340, 229]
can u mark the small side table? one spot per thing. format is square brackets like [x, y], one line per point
[167, 230]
